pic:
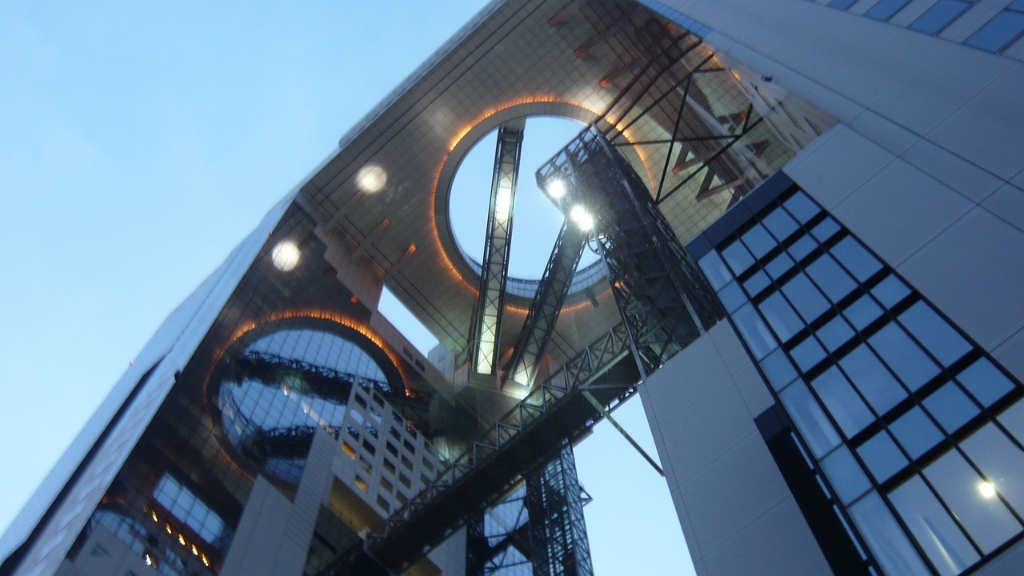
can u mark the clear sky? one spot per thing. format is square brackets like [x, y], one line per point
[140, 142]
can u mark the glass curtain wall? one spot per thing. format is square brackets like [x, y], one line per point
[917, 434]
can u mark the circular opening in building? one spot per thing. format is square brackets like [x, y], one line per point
[536, 221]
[286, 385]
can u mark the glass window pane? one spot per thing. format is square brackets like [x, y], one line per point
[759, 241]
[754, 332]
[1013, 419]
[756, 283]
[780, 224]
[781, 316]
[809, 419]
[1017, 5]
[999, 31]
[882, 457]
[863, 312]
[738, 258]
[985, 382]
[856, 258]
[826, 229]
[886, 539]
[808, 353]
[916, 432]
[845, 474]
[943, 542]
[805, 297]
[779, 369]
[779, 265]
[836, 333]
[802, 207]
[939, 15]
[872, 378]
[732, 296]
[905, 357]
[841, 4]
[934, 333]
[950, 407]
[842, 402]
[1000, 461]
[983, 515]
[885, 9]
[890, 291]
[802, 248]
[715, 270]
[831, 278]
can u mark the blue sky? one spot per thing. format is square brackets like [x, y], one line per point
[140, 142]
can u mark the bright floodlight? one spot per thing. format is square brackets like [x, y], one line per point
[371, 178]
[285, 256]
[556, 189]
[582, 218]
[987, 489]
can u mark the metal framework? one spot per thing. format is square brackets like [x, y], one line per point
[525, 438]
[554, 285]
[558, 531]
[664, 299]
[498, 540]
[497, 246]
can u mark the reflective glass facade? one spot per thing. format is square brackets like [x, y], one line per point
[916, 432]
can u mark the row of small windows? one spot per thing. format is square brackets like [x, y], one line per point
[915, 430]
[995, 36]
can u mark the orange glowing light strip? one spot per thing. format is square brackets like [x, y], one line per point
[319, 314]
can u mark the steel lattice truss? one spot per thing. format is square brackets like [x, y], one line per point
[497, 246]
[558, 531]
[664, 299]
[540, 320]
[498, 540]
[525, 438]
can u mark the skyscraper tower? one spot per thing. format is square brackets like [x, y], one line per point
[810, 252]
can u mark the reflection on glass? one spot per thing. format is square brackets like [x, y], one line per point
[732, 296]
[754, 332]
[780, 224]
[863, 312]
[950, 407]
[809, 419]
[715, 270]
[934, 333]
[779, 369]
[779, 265]
[886, 539]
[802, 247]
[873, 379]
[737, 257]
[882, 457]
[985, 382]
[938, 16]
[825, 230]
[916, 432]
[1013, 419]
[986, 519]
[831, 278]
[890, 291]
[845, 474]
[842, 402]
[759, 241]
[1000, 461]
[905, 357]
[756, 283]
[781, 317]
[856, 259]
[801, 207]
[805, 297]
[808, 353]
[836, 333]
[944, 543]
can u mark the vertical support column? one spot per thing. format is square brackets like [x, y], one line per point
[558, 531]
[497, 245]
